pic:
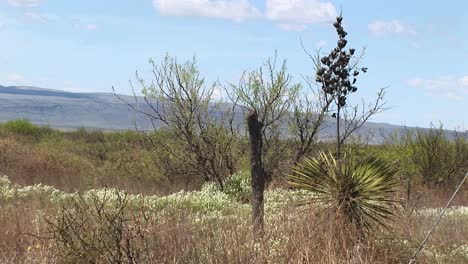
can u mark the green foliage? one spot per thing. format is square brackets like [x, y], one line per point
[357, 187]
[270, 93]
[440, 159]
[88, 136]
[179, 99]
[26, 128]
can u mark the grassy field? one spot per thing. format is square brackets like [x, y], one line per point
[41, 224]
[94, 197]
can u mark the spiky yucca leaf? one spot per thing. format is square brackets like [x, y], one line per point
[360, 187]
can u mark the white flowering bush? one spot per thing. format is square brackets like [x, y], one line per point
[208, 200]
[278, 199]
[239, 186]
[455, 212]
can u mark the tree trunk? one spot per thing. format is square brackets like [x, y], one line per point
[257, 173]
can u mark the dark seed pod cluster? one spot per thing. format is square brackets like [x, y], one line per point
[335, 74]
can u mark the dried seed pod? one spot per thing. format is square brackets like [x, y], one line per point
[351, 51]
[342, 43]
[341, 32]
[342, 101]
[344, 74]
[339, 19]
[364, 69]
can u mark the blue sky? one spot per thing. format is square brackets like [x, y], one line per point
[419, 49]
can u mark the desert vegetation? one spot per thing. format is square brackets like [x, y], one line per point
[208, 187]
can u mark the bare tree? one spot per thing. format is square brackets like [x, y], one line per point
[308, 117]
[178, 100]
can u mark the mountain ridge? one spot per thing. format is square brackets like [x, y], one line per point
[70, 110]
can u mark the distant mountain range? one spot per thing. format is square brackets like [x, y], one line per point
[67, 110]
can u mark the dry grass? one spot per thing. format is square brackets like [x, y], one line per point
[293, 235]
[29, 164]
[74, 165]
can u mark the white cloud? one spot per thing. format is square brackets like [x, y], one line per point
[75, 89]
[24, 3]
[291, 15]
[91, 27]
[464, 81]
[393, 27]
[15, 78]
[236, 10]
[321, 44]
[84, 24]
[449, 86]
[292, 27]
[298, 14]
[36, 17]
[70, 86]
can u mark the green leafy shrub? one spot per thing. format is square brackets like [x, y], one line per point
[26, 128]
[236, 187]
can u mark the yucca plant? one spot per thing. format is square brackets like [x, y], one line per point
[358, 187]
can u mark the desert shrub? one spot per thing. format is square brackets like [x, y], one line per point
[88, 136]
[135, 171]
[26, 128]
[97, 229]
[356, 188]
[440, 160]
